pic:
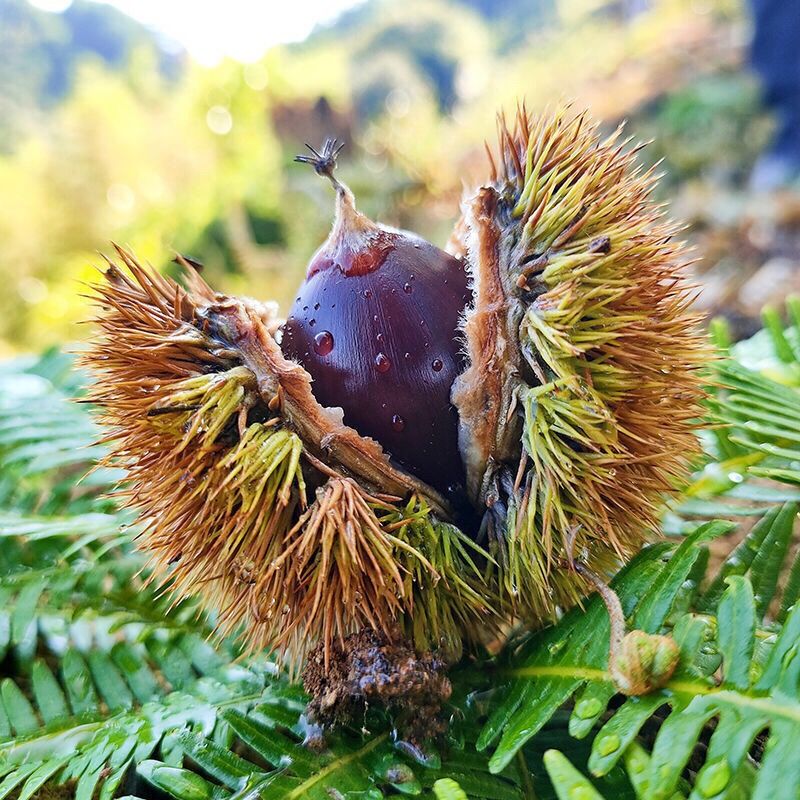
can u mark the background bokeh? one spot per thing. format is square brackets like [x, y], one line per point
[109, 133]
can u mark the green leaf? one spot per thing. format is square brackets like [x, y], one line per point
[739, 560]
[15, 778]
[567, 781]
[5, 632]
[779, 775]
[49, 696]
[229, 769]
[657, 602]
[766, 566]
[448, 789]
[676, 740]
[109, 681]
[112, 782]
[18, 708]
[621, 730]
[23, 618]
[736, 628]
[40, 776]
[78, 683]
[272, 746]
[138, 675]
[179, 783]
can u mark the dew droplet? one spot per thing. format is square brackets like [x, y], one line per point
[312, 323]
[636, 765]
[606, 745]
[398, 423]
[586, 709]
[406, 355]
[408, 288]
[379, 338]
[305, 308]
[368, 293]
[323, 343]
[437, 365]
[316, 306]
[713, 778]
[382, 362]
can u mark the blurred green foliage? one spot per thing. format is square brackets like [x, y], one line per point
[163, 155]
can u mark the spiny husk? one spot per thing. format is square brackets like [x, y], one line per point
[451, 600]
[351, 554]
[578, 408]
[218, 433]
[577, 414]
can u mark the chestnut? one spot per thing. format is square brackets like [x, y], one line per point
[376, 325]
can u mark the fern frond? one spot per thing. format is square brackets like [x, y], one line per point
[107, 711]
[109, 687]
[47, 442]
[752, 699]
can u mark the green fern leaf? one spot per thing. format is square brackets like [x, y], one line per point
[568, 781]
[551, 673]
[448, 789]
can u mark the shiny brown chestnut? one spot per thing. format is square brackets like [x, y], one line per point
[375, 324]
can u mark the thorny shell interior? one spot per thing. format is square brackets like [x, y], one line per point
[576, 418]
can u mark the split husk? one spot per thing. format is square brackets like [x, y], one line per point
[576, 413]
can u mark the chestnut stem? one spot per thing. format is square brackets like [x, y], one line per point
[324, 163]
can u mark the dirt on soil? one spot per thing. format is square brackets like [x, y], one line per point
[370, 670]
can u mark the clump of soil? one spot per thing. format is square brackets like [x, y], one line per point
[370, 670]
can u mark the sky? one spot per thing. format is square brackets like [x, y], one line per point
[213, 29]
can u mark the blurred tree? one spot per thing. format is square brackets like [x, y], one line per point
[201, 163]
[41, 53]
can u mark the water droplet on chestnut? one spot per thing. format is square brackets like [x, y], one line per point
[323, 343]
[382, 362]
[408, 288]
[437, 364]
[398, 423]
